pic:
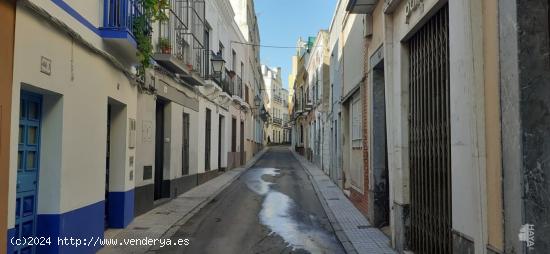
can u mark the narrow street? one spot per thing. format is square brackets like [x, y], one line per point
[257, 126]
[272, 208]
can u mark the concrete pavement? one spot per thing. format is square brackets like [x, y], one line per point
[272, 208]
[278, 203]
[156, 224]
[352, 228]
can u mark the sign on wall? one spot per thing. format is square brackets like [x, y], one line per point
[46, 66]
[411, 7]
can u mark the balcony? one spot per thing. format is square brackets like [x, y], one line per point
[237, 86]
[195, 49]
[298, 109]
[361, 6]
[180, 45]
[278, 121]
[171, 51]
[308, 106]
[225, 82]
[277, 99]
[118, 24]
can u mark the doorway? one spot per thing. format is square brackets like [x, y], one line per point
[380, 212]
[115, 161]
[221, 138]
[233, 135]
[28, 155]
[185, 146]
[159, 148]
[429, 134]
[107, 167]
[207, 139]
[243, 156]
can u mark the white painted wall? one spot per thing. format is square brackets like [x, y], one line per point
[467, 107]
[467, 99]
[76, 177]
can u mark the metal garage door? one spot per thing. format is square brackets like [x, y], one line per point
[429, 130]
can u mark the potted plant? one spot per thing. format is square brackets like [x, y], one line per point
[164, 46]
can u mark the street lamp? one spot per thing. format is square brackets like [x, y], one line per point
[217, 63]
[257, 101]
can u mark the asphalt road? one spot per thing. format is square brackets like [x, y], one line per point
[271, 208]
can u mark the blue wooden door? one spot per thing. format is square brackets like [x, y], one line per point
[27, 168]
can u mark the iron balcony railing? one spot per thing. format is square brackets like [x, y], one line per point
[121, 14]
[277, 120]
[232, 86]
[183, 36]
[226, 82]
[195, 39]
[238, 86]
[171, 39]
[298, 106]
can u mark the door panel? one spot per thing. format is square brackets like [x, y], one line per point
[159, 149]
[27, 168]
[185, 143]
[207, 139]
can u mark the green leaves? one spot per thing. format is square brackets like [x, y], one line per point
[153, 10]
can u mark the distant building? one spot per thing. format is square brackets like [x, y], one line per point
[277, 130]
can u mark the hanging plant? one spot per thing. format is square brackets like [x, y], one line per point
[152, 10]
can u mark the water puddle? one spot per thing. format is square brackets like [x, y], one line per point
[283, 217]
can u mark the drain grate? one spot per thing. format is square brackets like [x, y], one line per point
[363, 226]
[141, 228]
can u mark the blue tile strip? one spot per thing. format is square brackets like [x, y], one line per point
[104, 33]
[121, 208]
[69, 10]
[11, 234]
[85, 223]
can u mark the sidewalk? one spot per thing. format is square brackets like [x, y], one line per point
[350, 226]
[156, 223]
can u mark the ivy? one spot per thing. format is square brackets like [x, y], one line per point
[152, 10]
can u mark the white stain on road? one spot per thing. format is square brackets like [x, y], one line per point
[283, 217]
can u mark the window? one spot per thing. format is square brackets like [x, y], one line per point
[301, 134]
[207, 50]
[246, 94]
[234, 61]
[233, 135]
[242, 70]
[356, 122]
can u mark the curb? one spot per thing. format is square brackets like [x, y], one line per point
[174, 228]
[336, 227]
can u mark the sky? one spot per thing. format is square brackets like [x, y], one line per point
[282, 22]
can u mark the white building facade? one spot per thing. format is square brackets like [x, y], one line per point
[93, 144]
[277, 131]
